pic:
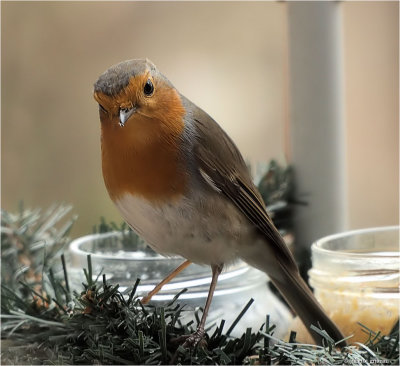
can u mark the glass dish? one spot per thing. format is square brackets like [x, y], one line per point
[123, 258]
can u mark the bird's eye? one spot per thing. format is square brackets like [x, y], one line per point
[148, 88]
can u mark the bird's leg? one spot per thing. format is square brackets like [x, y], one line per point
[172, 275]
[194, 338]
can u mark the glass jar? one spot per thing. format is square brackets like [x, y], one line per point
[355, 276]
[123, 258]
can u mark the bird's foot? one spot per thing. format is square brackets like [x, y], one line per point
[189, 341]
[192, 340]
[195, 338]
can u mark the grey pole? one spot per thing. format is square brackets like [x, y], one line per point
[317, 117]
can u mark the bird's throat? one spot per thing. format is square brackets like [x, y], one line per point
[143, 158]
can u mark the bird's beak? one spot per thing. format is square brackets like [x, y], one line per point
[124, 115]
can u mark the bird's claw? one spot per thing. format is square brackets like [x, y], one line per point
[194, 339]
[191, 340]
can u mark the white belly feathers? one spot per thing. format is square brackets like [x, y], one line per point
[202, 231]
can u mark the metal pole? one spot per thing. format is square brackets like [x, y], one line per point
[317, 117]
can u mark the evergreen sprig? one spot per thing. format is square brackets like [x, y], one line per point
[127, 241]
[276, 187]
[44, 323]
[105, 326]
[30, 240]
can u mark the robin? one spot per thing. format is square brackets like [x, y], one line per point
[181, 183]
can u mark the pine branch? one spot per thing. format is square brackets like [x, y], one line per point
[30, 240]
[43, 323]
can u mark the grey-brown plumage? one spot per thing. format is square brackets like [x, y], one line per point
[219, 158]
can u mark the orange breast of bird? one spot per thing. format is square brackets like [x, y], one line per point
[143, 158]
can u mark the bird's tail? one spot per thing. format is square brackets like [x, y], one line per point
[301, 299]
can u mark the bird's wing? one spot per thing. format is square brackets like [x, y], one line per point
[223, 167]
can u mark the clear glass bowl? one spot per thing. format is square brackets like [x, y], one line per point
[355, 276]
[123, 258]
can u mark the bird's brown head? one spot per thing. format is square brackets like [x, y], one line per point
[136, 90]
[142, 119]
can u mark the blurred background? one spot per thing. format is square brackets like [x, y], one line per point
[254, 67]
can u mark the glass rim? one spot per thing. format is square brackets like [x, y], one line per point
[317, 246]
[75, 249]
